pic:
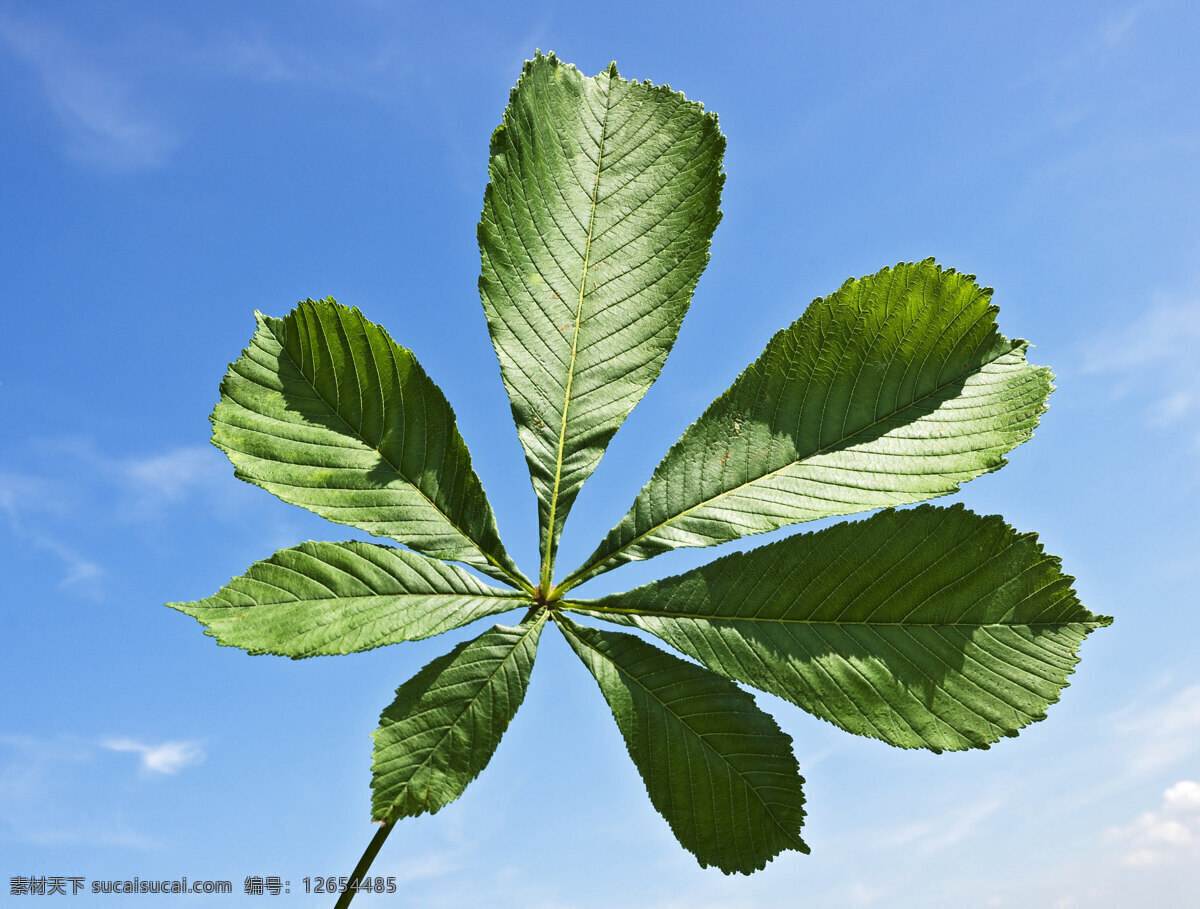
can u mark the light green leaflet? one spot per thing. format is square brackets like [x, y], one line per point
[329, 598]
[327, 412]
[893, 390]
[931, 628]
[595, 228]
[928, 628]
[447, 720]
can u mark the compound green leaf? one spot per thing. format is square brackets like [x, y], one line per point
[447, 720]
[596, 225]
[715, 766]
[327, 598]
[327, 412]
[895, 389]
[927, 628]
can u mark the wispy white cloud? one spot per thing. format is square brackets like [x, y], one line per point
[1094, 46]
[103, 93]
[97, 109]
[1168, 331]
[137, 487]
[80, 493]
[1166, 836]
[379, 68]
[1113, 30]
[255, 57]
[133, 490]
[860, 894]
[424, 867]
[1159, 736]
[39, 802]
[166, 757]
[120, 838]
[107, 93]
[80, 573]
[1153, 358]
[17, 489]
[36, 751]
[938, 833]
[1153, 734]
[24, 774]
[155, 481]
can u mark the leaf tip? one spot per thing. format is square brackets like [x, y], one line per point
[178, 607]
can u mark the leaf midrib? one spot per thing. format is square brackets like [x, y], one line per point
[435, 598]
[551, 536]
[591, 569]
[581, 607]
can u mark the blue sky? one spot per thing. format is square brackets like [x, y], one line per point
[167, 169]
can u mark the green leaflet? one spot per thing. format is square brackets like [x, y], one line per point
[447, 720]
[327, 412]
[596, 226]
[715, 766]
[931, 627]
[895, 389]
[328, 598]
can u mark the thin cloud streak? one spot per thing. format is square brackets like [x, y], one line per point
[937, 834]
[38, 804]
[255, 58]
[154, 482]
[1090, 53]
[1162, 735]
[378, 68]
[1163, 334]
[81, 574]
[145, 488]
[1153, 359]
[95, 108]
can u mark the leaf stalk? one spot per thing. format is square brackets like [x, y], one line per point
[364, 865]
